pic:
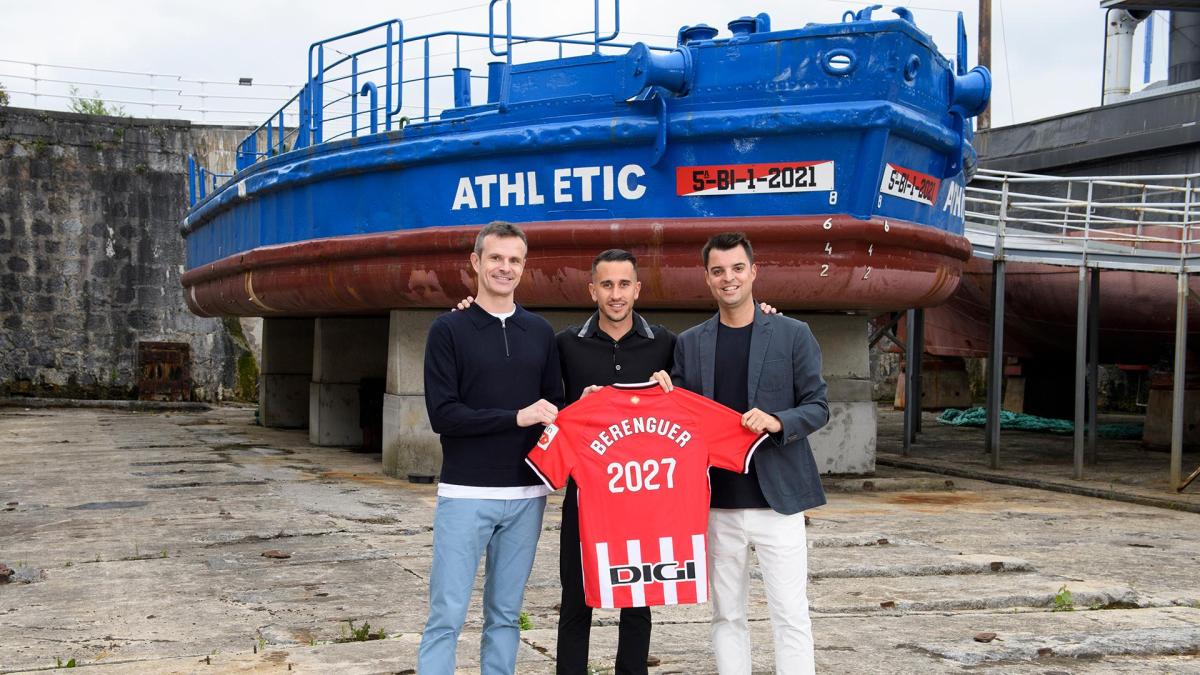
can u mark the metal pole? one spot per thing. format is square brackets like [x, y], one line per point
[1080, 369]
[909, 348]
[985, 54]
[1093, 396]
[596, 27]
[919, 370]
[1181, 300]
[995, 374]
[1067, 212]
[995, 364]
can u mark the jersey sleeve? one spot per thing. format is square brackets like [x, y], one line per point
[730, 445]
[554, 455]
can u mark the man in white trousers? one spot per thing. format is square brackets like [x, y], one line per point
[769, 368]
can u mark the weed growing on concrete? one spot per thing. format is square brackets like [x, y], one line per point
[138, 555]
[524, 622]
[360, 634]
[58, 663]
[1064, 601]
[162, 553]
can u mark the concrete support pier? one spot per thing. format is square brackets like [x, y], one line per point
[845, 446]
[285, 373]
[1157, 430]
[409, 445]
[345, 352]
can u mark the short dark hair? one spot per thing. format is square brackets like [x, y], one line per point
[615, 255]
[726, 241]
[499, 228]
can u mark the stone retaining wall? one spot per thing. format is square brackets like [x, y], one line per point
[91, 254]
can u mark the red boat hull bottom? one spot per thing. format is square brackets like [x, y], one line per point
[804, 263]
[1137, 314]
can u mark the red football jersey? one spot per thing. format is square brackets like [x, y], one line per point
[640, 457]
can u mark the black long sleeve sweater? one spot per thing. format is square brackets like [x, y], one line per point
[478, 373]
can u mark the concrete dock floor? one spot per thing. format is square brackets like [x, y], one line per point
[137, 540]
[1124, 469]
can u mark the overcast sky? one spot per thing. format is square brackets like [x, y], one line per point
[1046, 56]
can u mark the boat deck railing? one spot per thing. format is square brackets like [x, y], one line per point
[364, 82]
[1135, 223]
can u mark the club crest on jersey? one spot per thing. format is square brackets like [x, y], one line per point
[622, 575]
[547, 437]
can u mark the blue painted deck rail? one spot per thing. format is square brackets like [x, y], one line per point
[363, 90]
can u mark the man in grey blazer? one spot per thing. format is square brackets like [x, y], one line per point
[769, 368]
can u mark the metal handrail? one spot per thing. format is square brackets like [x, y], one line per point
[1133, 229]
[318, 120]
[596, 39]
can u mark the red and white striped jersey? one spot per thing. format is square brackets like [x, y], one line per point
[640, 457]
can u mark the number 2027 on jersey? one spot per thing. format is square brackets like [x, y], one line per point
[640, 457]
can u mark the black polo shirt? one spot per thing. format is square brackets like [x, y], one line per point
[590, 356]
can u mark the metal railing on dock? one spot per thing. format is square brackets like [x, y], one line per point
[1092, 223]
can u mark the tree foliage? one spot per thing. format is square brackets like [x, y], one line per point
[93, 106]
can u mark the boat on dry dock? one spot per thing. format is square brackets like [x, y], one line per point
[842, 148]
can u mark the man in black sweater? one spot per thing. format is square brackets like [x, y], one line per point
[492, 380]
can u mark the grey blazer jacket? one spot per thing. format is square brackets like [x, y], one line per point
[784, 380]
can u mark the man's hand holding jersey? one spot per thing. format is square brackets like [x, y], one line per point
[758, 421]
[540, 412]
[663, 378]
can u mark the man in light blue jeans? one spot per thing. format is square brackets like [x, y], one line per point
[492, 381]
[507, 529]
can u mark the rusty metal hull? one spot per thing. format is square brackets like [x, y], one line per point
[1137, 314]
[821, 262]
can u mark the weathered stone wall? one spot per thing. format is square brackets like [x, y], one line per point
[91, 254]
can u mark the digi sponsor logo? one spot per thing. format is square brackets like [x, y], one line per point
[547, 437]
[908, 184]
[624, 575]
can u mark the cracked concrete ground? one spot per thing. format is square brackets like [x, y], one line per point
[137, 542]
